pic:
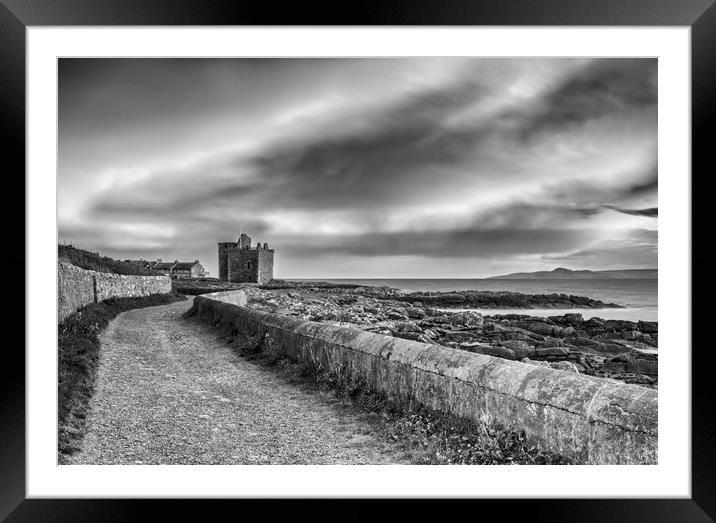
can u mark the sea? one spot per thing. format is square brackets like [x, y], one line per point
[638, 296]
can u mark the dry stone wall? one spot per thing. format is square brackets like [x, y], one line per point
[78, 287]
[121, 286]
[75, 289]
[597, 421]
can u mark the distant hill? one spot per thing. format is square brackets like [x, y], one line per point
[567, 274]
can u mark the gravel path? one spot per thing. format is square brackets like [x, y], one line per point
[169, 392]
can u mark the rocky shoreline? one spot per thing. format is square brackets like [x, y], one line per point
[616, 349]
[462, 299]
[503, 300]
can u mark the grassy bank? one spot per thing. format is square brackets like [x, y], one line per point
[78, 355]
[95, 262]
[430, 437]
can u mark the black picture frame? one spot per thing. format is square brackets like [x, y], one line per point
[699, 15]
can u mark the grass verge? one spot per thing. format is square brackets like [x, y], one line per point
[95, 262]
[429, 437]
[77, 359]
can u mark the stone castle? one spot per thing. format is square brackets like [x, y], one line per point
[241, 263]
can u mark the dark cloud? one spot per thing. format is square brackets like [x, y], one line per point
[648, 186]
[460, 243]
[182, 201]
[564, 202]
[651, 212]
[531, 215]
[601, 88]
[392, 148]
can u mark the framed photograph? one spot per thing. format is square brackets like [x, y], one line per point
[314, 254]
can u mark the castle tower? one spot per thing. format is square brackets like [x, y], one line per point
[241, 263]
[244, 241]
[224, 249]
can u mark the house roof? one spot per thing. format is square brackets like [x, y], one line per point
[185, 265]
[163, 266]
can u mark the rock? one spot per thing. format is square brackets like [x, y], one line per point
[551, 342]
[407, 326]
[641, 379]
[395, 315]
[613, 325]
[473, 346]
[470, 319]
[540, 319]
[650, 327]
[644, 366]
[608, 336]
[620, 375]
[459, 335]
[624, 358]
[630, 335]
[514, 335]
[559, 320]
[503, 299]
[426, 339]
[593, 324]
[500, 352]
[415, 313]
[495, 327]
[574, 318]
[583, 342]
[543, 352]
[614, 367]
[515, 344]
[610, 348]
[519, 347]
[539, 327]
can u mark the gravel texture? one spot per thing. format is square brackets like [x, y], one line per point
[169, 391]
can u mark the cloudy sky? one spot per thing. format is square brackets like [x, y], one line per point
[381, 167]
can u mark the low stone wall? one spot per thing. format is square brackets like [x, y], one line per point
[121, 286]
[75, 289]
[78, 287]
[598, 421]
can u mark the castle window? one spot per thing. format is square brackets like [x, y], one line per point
[248, 265]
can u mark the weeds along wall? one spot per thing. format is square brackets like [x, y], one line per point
[595, 420]
[78, 287]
